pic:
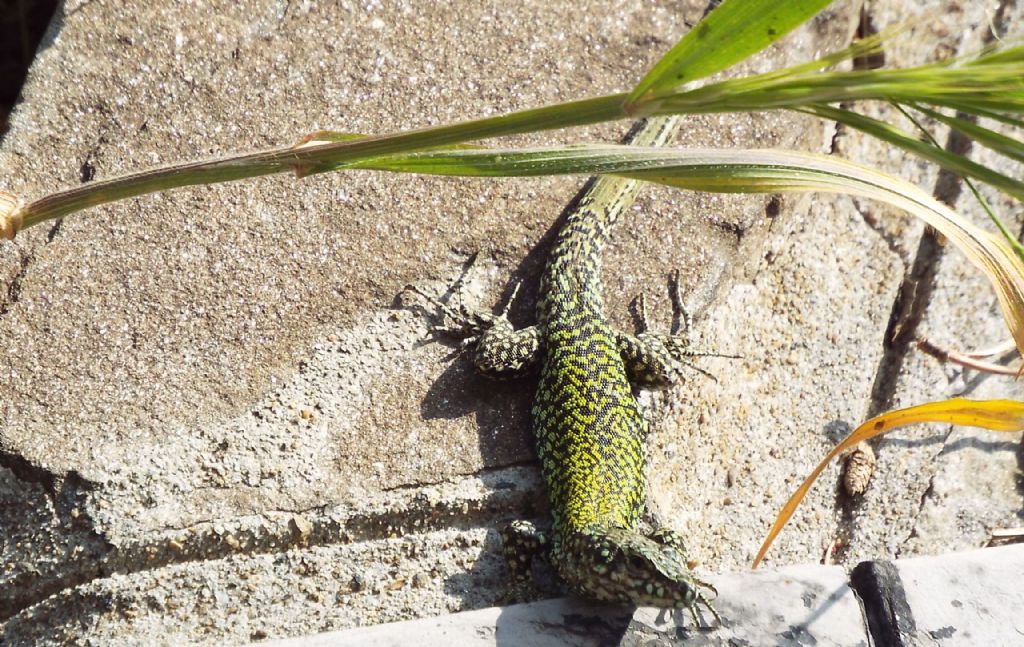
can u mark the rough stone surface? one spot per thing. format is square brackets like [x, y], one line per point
[950, 595]
[797, 606]
[221, 422]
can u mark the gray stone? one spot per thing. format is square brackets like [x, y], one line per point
[971, 598]
[799, 605]
[221, 425]
[796, 606]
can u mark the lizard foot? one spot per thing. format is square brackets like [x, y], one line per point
[521, 543]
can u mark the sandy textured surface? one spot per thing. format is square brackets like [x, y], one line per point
[222, 423]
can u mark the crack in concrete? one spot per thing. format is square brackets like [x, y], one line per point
[922, 502]
[997, 28]
[481, 473]
[914, 294]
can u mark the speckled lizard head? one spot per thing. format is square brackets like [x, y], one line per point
[620, 565]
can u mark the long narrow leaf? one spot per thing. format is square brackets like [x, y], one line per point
[996, 115]
[732, 32]
[990, 139]
[1006, 54]
[996, 219]
[898, 137]
[740, 171]
[997, 415]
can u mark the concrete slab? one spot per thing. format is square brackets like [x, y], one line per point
[221, 425]
[797, 606]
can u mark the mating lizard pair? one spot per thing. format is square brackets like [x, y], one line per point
[591, 437]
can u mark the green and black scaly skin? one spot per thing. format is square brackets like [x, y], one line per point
[591, 437]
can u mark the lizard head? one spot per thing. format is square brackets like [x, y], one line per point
[614, 564]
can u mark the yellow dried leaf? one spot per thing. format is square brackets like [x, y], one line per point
[997, 415]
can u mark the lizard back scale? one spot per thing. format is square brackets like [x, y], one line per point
[591, 436]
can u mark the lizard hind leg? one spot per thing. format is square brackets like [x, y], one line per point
[459, 322]
[703, 601]
[658, 360]
[673, 540]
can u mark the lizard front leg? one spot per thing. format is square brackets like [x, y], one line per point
[498, 350]
[657, 360]
[503, 352]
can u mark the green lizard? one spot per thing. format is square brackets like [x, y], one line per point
[591, 437]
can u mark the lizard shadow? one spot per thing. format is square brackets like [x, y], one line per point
[562, 621]
[502, 407]
[505, 439]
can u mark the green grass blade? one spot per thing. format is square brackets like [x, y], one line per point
[302, 159]
[996, 87]
[720, 170]
[997, 116]
[735, 30]
[887, 132]
[742, 171]
[990, 139]
[993, 216]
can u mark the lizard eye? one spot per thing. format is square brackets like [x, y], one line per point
[636, 563]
